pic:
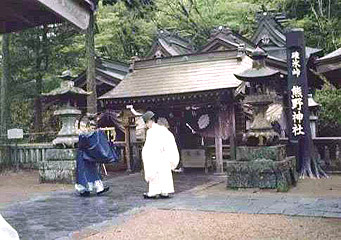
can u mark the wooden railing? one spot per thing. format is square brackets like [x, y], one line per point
[329, 152]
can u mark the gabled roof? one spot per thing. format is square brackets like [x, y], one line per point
[269, 32]
[270, 36]
[223, 38]
[169, 44]
[108, 75]
[330, 67]
[334, 54]
[181, 75]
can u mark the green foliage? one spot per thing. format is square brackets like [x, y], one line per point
[329, 122]
[123, 33]
[320, 20]
[196, 18]
[283, 186]
[38, 55]
[21, 114]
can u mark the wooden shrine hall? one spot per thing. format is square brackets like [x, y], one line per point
[193, 94]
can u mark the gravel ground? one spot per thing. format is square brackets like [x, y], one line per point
[177, 224]
[169, 224]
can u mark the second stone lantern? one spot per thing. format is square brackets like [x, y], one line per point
[66, 95]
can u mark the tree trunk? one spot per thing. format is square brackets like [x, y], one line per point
[90, 74]
[38, 116]
[4, 103]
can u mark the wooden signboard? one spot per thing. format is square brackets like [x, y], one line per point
[299, 132]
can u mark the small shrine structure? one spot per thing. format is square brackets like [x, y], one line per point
[194, 94]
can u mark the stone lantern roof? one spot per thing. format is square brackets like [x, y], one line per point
[66, 88]
[259, 71]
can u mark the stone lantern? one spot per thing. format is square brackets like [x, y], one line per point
[60, 161]
[262, 162]
[313, 109]
[66, 95]
[262, 81]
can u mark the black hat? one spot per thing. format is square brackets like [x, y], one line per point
[147, 116]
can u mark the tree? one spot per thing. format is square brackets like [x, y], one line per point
[195, 19]
[38, 56]
[329, 122]
[124, 32]
[5, 79]
[320, 20]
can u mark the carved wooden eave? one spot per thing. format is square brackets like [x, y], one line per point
[185, 99]
[181, 78]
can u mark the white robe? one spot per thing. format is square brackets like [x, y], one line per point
[7, 232]
[160, 156]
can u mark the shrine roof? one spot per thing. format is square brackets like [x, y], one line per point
[336, 53]
[270, 36]
[107, 72]
[226, 38]
[16, 15]
[280, 52]
[181, 74]
[330, 67]
[170, 44]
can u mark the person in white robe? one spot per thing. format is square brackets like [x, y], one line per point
[7, 232]
[160, 156]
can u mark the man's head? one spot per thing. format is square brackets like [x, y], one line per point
[148, 118]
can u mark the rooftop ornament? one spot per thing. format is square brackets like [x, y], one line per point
[67, 94]
[262, 93]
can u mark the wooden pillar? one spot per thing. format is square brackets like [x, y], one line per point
[135, 158]
[127, 146]
[91, 68]
[233, 145]
[127, 117]
[219, 144]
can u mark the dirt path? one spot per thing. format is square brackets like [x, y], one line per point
[19, 186]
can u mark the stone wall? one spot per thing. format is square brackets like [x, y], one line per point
[60, 166]
[261, 167]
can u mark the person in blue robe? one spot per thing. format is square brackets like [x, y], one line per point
[93, 148]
